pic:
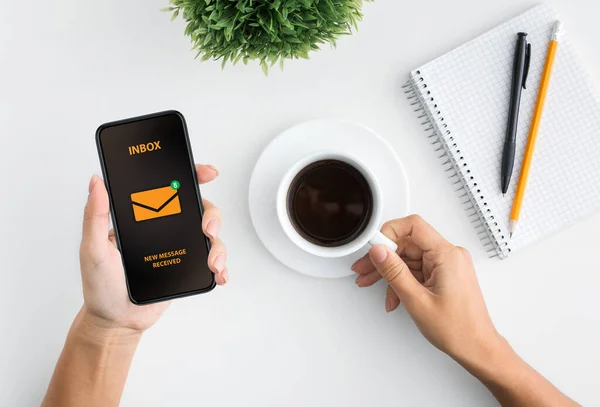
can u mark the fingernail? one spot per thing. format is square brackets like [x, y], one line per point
[213, 228]
[358, 280]
[219, 263]
[93, 181]
[378, 254]
[388, 305]
[213, 168]
[225, 278]
[353, 267]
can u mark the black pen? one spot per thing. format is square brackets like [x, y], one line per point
[519, 81]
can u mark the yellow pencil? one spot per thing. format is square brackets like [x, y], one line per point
[535, 126]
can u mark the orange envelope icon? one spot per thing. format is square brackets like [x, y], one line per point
[155, 203]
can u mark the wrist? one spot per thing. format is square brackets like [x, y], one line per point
[492, 360]
[101, 331]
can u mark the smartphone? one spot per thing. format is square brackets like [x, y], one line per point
[156, 206]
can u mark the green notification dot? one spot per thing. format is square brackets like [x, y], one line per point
[175, 185]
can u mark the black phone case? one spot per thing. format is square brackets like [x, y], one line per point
[112, 214]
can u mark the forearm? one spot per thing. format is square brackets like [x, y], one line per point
[510, 379]
[93, 366]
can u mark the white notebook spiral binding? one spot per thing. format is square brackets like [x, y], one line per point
[456, 165]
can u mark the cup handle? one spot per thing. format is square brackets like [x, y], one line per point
[380, 238]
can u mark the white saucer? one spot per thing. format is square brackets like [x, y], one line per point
[298, 142]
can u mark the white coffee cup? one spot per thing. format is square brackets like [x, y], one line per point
[370, 235]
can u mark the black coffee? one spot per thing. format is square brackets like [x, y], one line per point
[330, 203]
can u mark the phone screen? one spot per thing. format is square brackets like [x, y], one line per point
[156, 206]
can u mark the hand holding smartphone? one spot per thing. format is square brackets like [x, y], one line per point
[156, 206]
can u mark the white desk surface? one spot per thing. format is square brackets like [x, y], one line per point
[272, 337]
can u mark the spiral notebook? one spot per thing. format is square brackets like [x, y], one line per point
[462, 100]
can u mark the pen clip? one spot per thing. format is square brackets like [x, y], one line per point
[527, 64]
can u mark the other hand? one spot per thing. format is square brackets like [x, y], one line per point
[437, 284]
[106, 301]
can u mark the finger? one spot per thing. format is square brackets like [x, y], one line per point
[363, 265]
[211, 221]
[222, 278]
[217, 258]
[370, 278]
[413, 265]
[95, 218]
[430, 282]
[418, 275]
[206, 173]
[367, 280]
[407, 248]
[111, 237]
[412, 255]
[421, 232]
[391, 299]
[396, 273]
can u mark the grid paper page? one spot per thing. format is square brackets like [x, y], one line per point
[471, 86]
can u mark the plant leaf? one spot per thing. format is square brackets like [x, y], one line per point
[265, 67]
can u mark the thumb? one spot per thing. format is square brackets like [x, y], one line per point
[391, 267]
[95, 216]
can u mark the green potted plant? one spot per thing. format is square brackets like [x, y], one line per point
[268, 31]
